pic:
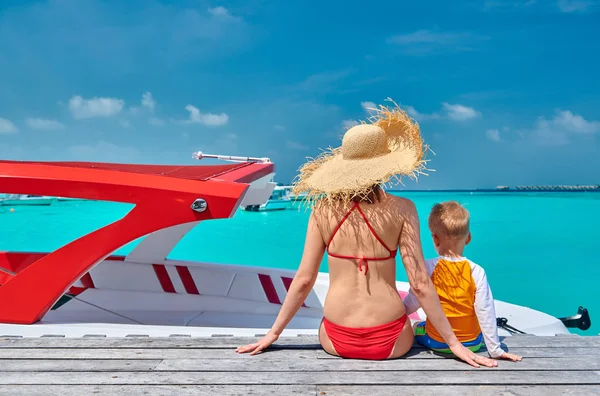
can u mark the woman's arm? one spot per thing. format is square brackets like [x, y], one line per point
[302, 284]
[424, 290]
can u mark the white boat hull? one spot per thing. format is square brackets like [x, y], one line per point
[275, 204]
[201, 299]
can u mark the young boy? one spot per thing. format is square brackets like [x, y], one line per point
[462, 287]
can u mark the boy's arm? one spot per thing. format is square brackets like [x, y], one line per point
[486, 312]
[410, 301]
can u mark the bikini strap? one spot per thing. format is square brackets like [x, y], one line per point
[375, 232]
[362, 260]
[342, 222]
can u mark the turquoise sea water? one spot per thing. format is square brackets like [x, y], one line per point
[538, 249]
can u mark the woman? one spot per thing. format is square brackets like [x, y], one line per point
[361, 229]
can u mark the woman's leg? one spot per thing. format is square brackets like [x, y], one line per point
[404, 342]
[325, 341]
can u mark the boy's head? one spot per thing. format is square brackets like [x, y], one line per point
[449, 225]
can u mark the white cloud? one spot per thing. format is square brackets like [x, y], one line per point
[347, 124]
[125, 124]
[7, 127]
[455, 112]
[148, 101]
[558, 130]
[426, 42]
[209, 119]
[458, 112]
[96, 107]
[156, 121]
[219, 12]
[295, 145]
[417, 115]
[368, 106]
[508, 4]
[565, 119]
[493, 135]
[411, 111]
[279, 128]
[44, 124]
[549, 137]
[571, 6]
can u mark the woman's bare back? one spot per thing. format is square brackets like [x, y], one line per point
[367, 297]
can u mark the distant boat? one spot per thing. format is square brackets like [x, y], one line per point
[279, 200]
[26, 199]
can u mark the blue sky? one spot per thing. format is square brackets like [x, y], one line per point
[505, 92]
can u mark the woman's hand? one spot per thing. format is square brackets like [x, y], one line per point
[302, 284]
[473, 359]
[259, 346]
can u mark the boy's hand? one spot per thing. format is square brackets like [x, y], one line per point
[471, 358]
[510, 356]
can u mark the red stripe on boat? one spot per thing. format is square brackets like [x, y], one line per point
[187, 280]
[269, 288]
[76, 290]
[163, 278]
[87, 282]
[288, 282]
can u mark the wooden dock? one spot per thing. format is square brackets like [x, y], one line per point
[179, 365]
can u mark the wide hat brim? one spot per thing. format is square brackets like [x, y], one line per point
[331, 175]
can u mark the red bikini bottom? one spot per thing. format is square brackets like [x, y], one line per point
[372, 343]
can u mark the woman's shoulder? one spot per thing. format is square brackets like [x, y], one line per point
[400, 202]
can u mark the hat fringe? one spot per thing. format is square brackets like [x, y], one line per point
[401, 130]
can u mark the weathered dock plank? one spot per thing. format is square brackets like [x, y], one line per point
[299, 390]
[146, 343]
[233, 342]
[468, 377]
[459, 390]
[289, 365]
[69, 365]
[137, 353]
[419, 353]
[283, 365]
[162, 390]
[229, 353]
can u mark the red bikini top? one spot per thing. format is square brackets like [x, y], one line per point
[362, 259]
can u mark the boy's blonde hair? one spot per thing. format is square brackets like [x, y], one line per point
[449, 219]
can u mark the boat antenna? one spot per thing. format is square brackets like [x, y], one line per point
[200, 155]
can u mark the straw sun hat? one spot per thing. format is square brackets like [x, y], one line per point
[381, 151]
